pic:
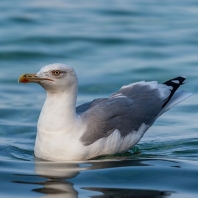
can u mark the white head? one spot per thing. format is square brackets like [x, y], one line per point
[55, 77]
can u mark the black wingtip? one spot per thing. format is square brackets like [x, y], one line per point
[175, 83]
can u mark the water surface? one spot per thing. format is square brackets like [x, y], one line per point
[109, 43]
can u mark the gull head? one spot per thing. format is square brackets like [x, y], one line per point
[53, 78]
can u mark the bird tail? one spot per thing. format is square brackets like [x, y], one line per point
[175, 96]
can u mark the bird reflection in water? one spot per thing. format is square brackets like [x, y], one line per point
[53, 177]
[56, 175]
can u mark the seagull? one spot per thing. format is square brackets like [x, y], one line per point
[104, 126]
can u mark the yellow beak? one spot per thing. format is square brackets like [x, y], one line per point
[27, 78]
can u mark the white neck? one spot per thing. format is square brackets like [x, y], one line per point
[58, 113]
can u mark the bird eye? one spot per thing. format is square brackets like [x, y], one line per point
[56, 72]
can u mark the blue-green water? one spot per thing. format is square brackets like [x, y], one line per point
[109, 43]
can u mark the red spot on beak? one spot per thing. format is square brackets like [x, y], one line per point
[25, 80]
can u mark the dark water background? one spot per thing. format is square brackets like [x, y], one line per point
[109, 43]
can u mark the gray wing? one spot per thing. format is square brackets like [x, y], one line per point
[84, 107]
[127, 109]
[137, 89]
[121, 112]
